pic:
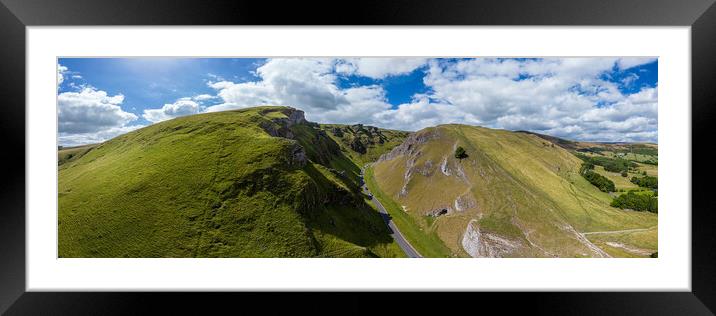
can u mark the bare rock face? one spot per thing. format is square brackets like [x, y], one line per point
[358, 146]
[485, 245]
[281, 127]
[337, 131]
[295, 117]
[277, 130]
[409, 147]
[298, 156]
[444, 167]
[406, 177]
[465, 202]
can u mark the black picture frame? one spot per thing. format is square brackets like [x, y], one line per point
[15, 15]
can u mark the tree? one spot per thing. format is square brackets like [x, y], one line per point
[624, 174]
[460, 153]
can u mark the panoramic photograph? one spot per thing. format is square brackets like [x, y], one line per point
[357, 157]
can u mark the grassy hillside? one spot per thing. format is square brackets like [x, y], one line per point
[364, 144]
[515, 195]
[423, 238]
[259, 182]
[69, 153]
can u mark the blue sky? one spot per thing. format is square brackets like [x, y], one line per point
[597, 99]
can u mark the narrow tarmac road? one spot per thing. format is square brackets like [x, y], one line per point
[394, 232]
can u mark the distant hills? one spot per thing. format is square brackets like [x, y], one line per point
[265, 182]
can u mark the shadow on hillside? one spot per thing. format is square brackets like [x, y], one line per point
[346, 215]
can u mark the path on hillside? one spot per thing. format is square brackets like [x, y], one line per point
[620, 231]
[394, 232]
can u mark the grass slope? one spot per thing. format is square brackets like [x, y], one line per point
[364, 144]
[424, 239]
[520, 192]
[248, 183]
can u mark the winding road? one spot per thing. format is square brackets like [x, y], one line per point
[394, 232]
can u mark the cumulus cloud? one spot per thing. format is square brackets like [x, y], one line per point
[76, 139]
[573, 98]
[61, 70]
[182, 107]
[90, 110]
[91, 116]
[379, 68]
[308, 84]
[564, 97]
[568, 97]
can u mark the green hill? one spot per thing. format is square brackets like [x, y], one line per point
[364, 144]
[259, 182]
[514, 195]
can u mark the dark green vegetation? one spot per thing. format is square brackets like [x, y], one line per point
[609, 164]
[259, 182]
[646, 182]
[363, 144]
[599, 181]
[460, 153]
[636, 201]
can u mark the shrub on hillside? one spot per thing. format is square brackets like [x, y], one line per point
[646, 182]
[609, 164]
[599, 181]
[460, 153]
[637, 202]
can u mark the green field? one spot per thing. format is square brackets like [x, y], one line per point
[217, 185]
[621, 183]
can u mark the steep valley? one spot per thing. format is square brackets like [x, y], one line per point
[265, 182]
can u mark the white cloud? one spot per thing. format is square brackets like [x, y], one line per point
[60, 74]
[567, 97]
[202, 97]
[379, 68]
[182, 107]
[90, 110]
[561, 97]
[77, 139]
[91, 116]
